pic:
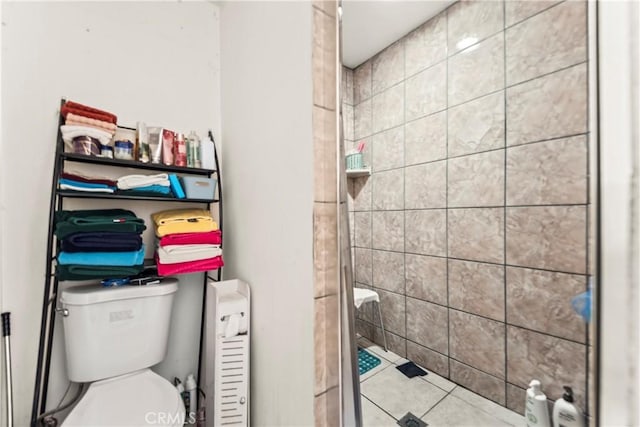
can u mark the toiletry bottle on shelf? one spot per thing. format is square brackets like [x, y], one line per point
[194, 157]
[207, 153]
[192, 389]
[536, 412]
[565, 413]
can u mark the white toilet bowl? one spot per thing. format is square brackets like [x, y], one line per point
[141, 398]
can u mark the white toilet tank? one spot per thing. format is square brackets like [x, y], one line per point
[117, 330]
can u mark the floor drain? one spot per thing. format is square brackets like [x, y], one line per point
[411, 420]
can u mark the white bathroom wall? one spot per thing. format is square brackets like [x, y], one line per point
[156, 62]
[268, 173]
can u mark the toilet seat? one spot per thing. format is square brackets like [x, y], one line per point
[141, 398]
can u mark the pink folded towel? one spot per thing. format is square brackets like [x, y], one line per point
[189, 267]
[206, 238]
[81, 120]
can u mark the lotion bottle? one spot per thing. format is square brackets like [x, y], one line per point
[536, 411]
[565, 413]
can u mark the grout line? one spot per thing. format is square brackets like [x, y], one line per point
[379, 407]
[535, 14]
[436, 404]
[446, 219]
[504, 217]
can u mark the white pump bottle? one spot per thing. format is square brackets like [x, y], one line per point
[536, 411]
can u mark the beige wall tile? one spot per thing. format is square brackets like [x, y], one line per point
[550, 172]
[516, 398]
[362, 229]
[395, 343]
[477, 342]
[346, 86]
[476, 71]
[425, 232]
[548, 237]
[324, 60]
[429, 359]
[388, 271]
[385, 190]
[517, 10]
[361, 193]
[325, 249]
[427, 324]
[426, 92]
[327, 408]
[388, 149]
[363, 267]
[426, 45]
[362, 83]
[476, 234]
[473, 20]
[426, 278]
[548, 107]
[426, 186]
[362, 120]
[477, 125]
[484, 384]
[553, 361]
[477, 288]
[324, 155]
[393, 312]
[387, 108]
[540, 300]
[348, 122]
[330, 7]
[564, 43]
[388, 67]
[388, 230]
[476, 180]
[326, 343]
[426, 139]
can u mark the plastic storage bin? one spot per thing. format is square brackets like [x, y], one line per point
[354, 161]
[198, 187]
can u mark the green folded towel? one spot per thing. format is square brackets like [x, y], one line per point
[88, 272]
[114, 220]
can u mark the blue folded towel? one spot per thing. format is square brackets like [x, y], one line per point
[155, 188]
[83, 184]
[119, 259]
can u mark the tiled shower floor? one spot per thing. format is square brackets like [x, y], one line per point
[387, 395]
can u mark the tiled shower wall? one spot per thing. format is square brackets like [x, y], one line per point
[473, 224]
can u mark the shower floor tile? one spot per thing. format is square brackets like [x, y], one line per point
[387, 395]
[378, 351]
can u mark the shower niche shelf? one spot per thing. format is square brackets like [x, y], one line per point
[356, 173]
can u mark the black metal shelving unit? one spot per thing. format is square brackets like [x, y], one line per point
[51, 282]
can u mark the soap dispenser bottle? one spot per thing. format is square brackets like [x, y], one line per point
[565, 413]
[536, 411]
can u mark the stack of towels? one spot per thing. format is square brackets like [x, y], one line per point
[82, 120]
[143, 185]
[188, 242]
[77, 182]
[99, 244]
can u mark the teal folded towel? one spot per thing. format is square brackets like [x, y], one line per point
[83, 184]
[123, 259]
[155, 188]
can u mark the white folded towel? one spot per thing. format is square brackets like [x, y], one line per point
[90, 190]
[174, 254]
[71, 131]
[128, 182]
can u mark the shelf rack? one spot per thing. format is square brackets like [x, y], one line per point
[51, 282]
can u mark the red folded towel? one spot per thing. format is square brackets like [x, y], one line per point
[189, 267]
[74, 177]
[206, 238]
[86, 111]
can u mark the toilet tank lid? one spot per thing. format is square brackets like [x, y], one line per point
[95, 294]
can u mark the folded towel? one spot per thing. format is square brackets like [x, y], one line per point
[82, 184]
[133, 181]
[71, 131]
[211, 238]
[111, 259]
[88, 272]
[189, 267]
[174, 254]
[75, 176]
[91, 122]
[137, 193]
[176, 187]
[85, 110]
[183, 221]
[114, 220]
[72, 122]
[101, 242]
[155, 188]
[85, 189]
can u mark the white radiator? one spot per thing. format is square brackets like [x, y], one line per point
[226, 357]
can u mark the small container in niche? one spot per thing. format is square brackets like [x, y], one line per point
[354, 161]
[106, 151]
[86, 145]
